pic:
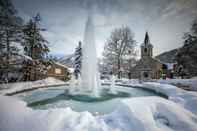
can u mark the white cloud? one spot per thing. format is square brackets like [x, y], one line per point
[166, 20]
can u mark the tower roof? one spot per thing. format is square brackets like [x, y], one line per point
[146, 39]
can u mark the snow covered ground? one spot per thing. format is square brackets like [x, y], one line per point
[187, 99]
[136, 114]
[192, 83]
[21, 86]
[179, 113]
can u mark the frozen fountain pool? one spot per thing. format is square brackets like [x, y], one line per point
[57, 98]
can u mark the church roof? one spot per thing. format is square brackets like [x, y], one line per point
[146, 40]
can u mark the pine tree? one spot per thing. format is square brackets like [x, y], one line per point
[10, 37]
[77, 61]
[186, 56]
[35, 46]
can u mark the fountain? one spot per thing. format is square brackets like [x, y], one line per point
[89, 74]
[87, 87]
[85, 94]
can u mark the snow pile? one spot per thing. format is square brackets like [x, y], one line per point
[187, 99]
[179, 113]
[15, 116]
[183, 82]
[151, 114]
[137, 114]
[133, 81]
[23, 86]
[166, 89]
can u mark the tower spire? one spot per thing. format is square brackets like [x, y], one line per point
[147, 47]
[146, 40]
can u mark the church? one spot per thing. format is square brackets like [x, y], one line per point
[147, 67]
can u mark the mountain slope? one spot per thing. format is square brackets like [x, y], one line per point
[67, 60]
[167, 57]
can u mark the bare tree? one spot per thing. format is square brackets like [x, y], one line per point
[120, 45]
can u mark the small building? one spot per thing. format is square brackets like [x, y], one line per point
[147, 67]
[58, 71]
[34, 70]
[11, 70]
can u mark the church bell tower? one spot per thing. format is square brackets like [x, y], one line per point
[146, 47]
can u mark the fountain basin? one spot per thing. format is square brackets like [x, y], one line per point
[107, 101]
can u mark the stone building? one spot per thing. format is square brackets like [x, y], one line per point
[147, 67]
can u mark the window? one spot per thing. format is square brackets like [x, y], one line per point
[145, 74]
[58, 71]
[145, 50]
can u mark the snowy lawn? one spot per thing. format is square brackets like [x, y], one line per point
[179, 113]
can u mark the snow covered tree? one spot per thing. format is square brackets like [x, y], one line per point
[186, 56]
[120, 44]
[35, 45]
[77, 60]
[10, 37]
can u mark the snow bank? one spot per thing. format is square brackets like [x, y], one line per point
[192, 83]
[151, 114]
[21, 86]
[135, 114]
[187, 99]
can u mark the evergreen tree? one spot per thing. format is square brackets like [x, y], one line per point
[77, 61]
[10, 37]
[36, 47]
[34, 43]
[186, 56]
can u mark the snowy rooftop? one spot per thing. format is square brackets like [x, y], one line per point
[60, 64]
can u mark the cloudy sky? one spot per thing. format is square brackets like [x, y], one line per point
[165, 20]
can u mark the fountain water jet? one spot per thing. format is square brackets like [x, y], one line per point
[89, 73]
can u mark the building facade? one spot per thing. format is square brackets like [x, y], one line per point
[59, 71]
[147, 67]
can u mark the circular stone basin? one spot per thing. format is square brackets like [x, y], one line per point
[107, 102]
